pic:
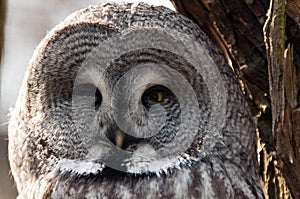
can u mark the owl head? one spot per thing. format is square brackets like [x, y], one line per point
[131, 101]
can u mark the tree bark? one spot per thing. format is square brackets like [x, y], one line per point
[283, 94]
[260, 40]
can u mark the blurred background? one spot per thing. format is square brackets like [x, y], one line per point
[26, 23]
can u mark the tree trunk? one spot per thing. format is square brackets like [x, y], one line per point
[261, 42]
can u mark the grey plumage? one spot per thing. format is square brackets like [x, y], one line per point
[131, 101]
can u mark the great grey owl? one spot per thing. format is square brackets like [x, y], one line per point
[131, 101]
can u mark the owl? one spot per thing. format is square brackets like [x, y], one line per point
[125, 100]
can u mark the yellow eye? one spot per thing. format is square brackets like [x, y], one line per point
[160, 96]
[156, 96]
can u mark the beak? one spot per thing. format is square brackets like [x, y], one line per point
[119, 138]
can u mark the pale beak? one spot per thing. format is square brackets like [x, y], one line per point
[119, 138]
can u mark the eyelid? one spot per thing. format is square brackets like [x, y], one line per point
[89, 90]
[85, 89]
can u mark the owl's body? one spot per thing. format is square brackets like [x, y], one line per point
[190, 133]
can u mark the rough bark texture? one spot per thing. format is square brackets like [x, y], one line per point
[260, 40]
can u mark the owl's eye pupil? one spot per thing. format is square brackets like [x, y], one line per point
[98, 99]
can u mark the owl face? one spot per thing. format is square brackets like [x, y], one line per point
[138, 117]
[128, 101]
